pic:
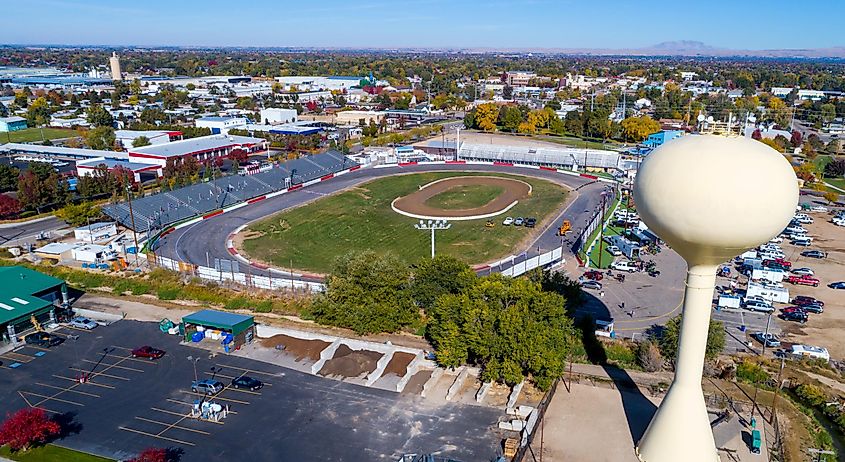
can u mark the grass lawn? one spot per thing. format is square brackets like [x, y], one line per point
[838, 182]
[312, 236]
[465, 197]
[50, 453]
[34, 134]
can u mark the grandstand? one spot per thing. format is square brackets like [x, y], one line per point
[563, 157]
[157, 211]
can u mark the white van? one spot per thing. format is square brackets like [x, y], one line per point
[808, 351]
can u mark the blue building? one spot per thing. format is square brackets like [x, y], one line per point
[12, 124]
[657, 139]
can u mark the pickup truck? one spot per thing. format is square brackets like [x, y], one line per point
[623, 265]
[803, 280]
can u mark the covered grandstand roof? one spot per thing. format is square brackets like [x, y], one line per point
[195, 146]
[548, 156]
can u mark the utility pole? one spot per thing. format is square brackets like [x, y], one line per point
[601, 228]
[433, 225]
[819, 453]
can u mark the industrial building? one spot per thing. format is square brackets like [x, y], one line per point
[658, 139]
[275, 115]
[12, 124]
[221, 125]
[90, 167]
[127, 137]
[563, 157]
[202, 148]
[27, 296]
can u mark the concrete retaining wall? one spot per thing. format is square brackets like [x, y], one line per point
[325, 355]
[432, 381]
[515, 394]
[99, 315]
[381, 365]
[457, 384]
[482, 392]
[413, 368]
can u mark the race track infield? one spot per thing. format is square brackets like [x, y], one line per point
[310, 237]
[463, 197]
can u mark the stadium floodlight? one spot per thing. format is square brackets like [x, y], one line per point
[683, 172]
[433, 226]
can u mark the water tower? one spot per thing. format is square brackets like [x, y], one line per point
[710, 198]
[114, 64]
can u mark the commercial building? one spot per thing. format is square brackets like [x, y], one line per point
[27, 296]
[127, 137]
[58, 151]
[518, 78]
[12, 124]
[90, 167]
[95, 231]
[231, 329]
[221, 125]
[562, 157]
[202, 148]
[275, 115]
[658, 139]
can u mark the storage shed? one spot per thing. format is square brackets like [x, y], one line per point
[231, 329]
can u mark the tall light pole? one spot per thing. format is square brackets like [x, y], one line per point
[194, 361]
[433, 225]
[684, 172]
[132, 218]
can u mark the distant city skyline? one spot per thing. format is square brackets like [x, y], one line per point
[497, 24]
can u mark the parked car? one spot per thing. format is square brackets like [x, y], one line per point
[793, 309]
[803, 280]
[770, 340]
[838, 221]
[530, 222]
[42, 339]
[794, 229]
[507, 221]
[803, 242]
[819, 209]
[247, 382]
[82, 323]
[756, 305]
[589, 284]
[837, 285]
[796, 316]
[813, 254]
[519, 221]
[623, 265]
[594, 275]
[614, 250]
[803, 218]
[776, 240]
[804, 271]
[147, 351]
[780, 261]
[813, 308]
[207, 386]
[806, 300]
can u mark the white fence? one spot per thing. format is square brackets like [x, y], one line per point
[541, 260]
[249, 280]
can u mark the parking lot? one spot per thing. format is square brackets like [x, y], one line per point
[124, 405]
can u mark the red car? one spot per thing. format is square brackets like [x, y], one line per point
[594, 275]
[147, 351]
[793, 309]
[778, 261]
[803, 280]
[801, 300]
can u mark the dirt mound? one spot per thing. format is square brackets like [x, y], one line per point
[398, 364]
[415, 385]
[296, 347]
[350, 363]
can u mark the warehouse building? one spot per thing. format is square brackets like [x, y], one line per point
[27, 296]
[202, 148]
[90, 167]
[12, 124]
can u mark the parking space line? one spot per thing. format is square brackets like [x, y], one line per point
[99, 374]
[49, 398]
[247, 371]
[36, 347]
[130, 358]
[37, 407]
[121, 348]
[72, 391]
[28, 357]
[174, 440]
[215, 397]
[176, 426]
[118, 367]
[191, 404]
[242, 391]
[76, 329]
[179, 414]
[87, 382]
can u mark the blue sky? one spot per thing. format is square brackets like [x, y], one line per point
[737, 24]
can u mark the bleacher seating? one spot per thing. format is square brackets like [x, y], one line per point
[160, 210]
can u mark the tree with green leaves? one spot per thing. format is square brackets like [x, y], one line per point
[8, 177]
[668, 338]
[441, 275]
[140, 141]
[98, 116]
[368, 293]
[100, 138]
[636, 129]
[38, 113]
[79, 214]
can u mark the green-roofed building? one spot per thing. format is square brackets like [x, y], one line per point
[26, 295]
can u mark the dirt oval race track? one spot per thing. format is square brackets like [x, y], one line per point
[414, 204]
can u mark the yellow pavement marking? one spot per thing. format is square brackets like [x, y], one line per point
[100, 374]
[37, 407]
[90, 376]
[241, 390]
[119, 367]
[121, 348]
[191, 404]
[130, 358]
[36, 347]
[174, 426]
[247, 371]
[87, 383]
[72, 391]
[49, 398]
[180, 415]
[28, 357]
[76, 328]
[215, 397]
[231, 377]
[157, 436]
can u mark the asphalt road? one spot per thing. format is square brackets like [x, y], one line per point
[12, 234]
[131, 404]
[205, 241]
